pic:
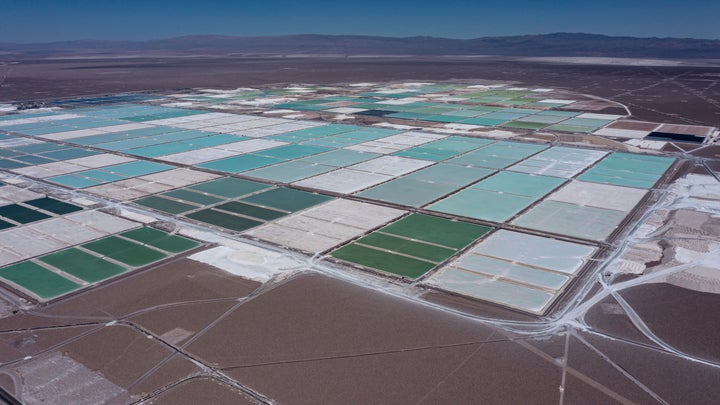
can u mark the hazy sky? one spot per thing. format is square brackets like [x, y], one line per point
[56, 20]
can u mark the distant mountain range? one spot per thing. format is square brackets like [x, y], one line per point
[560, 44]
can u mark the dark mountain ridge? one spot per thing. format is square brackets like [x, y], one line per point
[558, 44]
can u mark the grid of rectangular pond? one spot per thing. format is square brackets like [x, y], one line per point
[363, 175]
[51, 233]
[426, 185]
[490, 105]
[585, 123]
[109, 174]
[149, 131]
[412, 246]
[146, 140]
[217, 155]
[627, 169]
[159, 141]
[498, 155]
[583, 210]
[518, 270]
[339, 158]
[46, 170]
[132, 188]
[559, 161]
[396, 143]
[393, 105]
[77, 120]
[266, 157]
[16, 152]
[444, 148]
[135, 112]
[219, 122]
[53, 275]
[231, 203]
[325, 226]
[334, 135]
[309, 166]
[33, 210]
[224, 96]
[61, 121]
[306, 172]
[280, 163]
[499, 197]
[102, 100]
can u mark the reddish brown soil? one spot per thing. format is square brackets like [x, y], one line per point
[203, 390]
[685, 129]
[314, 339]
[634, 125]
[680, 317]
[98, 329]
[708, 151]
